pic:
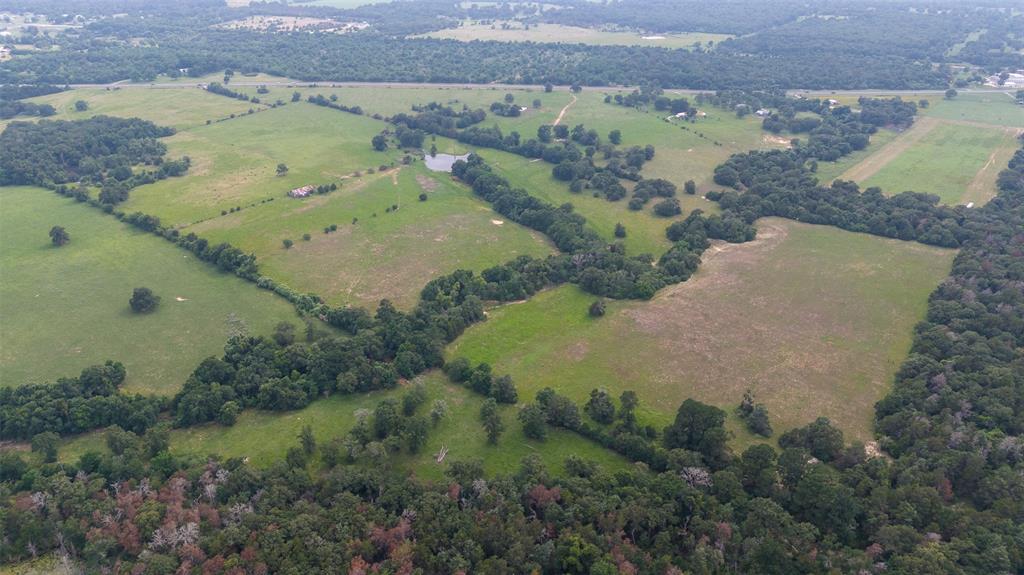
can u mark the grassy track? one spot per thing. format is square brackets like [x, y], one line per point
[264, 437]
[814, 319]
[946, 161]
[829, 171]
[386, 254]
[66, 308]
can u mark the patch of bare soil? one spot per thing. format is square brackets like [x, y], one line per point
[577, 351]
[779, 140]
[427, 184]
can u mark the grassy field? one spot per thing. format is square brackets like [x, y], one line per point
[234, 162]
[995, 108]
[815, 320]
[391, 100]
[179, 108]
[946, 161]
[264, 437]
[66, 308]
[556, 33]
[386, 254]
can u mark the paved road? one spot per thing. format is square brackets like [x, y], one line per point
[246, 83]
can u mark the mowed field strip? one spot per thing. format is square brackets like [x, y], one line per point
[815, 320]
[66, 308]
[876, 161]
[954, 149]
[506, 31]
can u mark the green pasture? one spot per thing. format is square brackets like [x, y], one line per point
[264, 437]
[386, 253]
[179, 108]
[557, 33]
[995, 108]
[66, 308]
[946, 161]
[234, 162]
[388, 100]
[814, 319]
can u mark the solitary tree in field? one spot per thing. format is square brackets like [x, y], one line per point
[282, 169]
[576, 88]
[950, 94]
[296, 96]
[143, 300]
[287, 243]
[548, 87]
[81, 105]
[537, 103]
[509, 98]
[380, 142]
[615, 137]
[59, 236]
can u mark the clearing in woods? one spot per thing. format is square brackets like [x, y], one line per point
[511, 31]
[66, 308]
[959, 163]
[814, 319]
[263, 436]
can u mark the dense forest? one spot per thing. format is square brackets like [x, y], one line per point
[855, 51]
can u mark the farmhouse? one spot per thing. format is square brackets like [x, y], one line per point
[301, 192]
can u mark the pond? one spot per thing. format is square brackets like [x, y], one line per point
[442, 162]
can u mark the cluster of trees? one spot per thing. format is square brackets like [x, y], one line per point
[506, 109]
[435, 118]
[892, 112]
[332, 103]
[778, 183]
[755, 415]
[222, 90]
[651, 96]
[100, 151]
[480, 379]
[11, 106]
[75, 404]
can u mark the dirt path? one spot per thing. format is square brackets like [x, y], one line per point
[983, 187]
[561, 114]
[878, 160]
